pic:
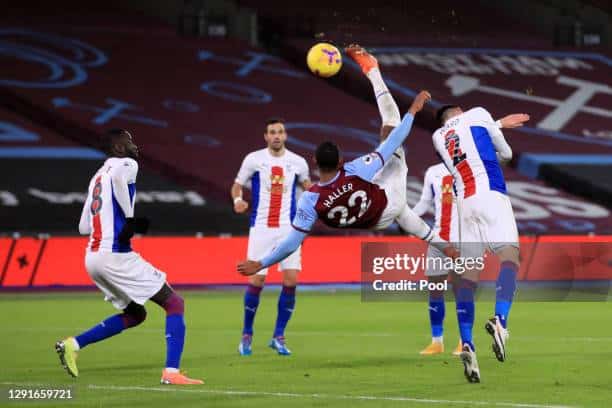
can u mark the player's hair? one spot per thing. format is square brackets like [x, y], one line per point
[442, 113]
[327, 156]
[109, 138]
[272, 121]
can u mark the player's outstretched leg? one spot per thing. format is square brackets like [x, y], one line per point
[67, 349]
[251, 303]
[497, 326]
[174, 305]
[389, 112]
[286, 305]
[464, 297]
[436, 321]
[364, 59]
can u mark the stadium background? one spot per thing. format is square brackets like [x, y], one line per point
[195, 80]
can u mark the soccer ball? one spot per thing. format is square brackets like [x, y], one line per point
[324, 60]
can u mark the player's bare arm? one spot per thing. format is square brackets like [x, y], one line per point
[419, 102]
[248, 268]
[306, 184]
[240, 205]
[513, 121]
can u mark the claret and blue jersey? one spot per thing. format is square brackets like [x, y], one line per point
[349, 200]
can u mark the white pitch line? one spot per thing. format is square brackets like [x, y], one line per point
[302, 395]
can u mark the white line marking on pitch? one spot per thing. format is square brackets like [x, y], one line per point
[301, 395]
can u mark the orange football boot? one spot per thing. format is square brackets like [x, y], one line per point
[363, 58]
[457, 351]
[434, 348]
[177, 378]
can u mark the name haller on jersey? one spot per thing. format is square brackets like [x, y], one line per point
[337, 193]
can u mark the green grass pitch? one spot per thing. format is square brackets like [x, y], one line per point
[345, 353]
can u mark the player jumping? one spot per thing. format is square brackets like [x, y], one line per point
[274, 174]
[347, 197]
[438, 191]
[472, 145]
[394, 172]
[125, 278]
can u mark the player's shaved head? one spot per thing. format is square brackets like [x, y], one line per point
[119, 143]
[327, 156]
[446, 112]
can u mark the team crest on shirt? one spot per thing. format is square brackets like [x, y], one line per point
[447, 193]
[277, 179]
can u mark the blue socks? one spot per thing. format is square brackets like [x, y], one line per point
[286, 304]
[175, 339]
[133, 316]
[464, 296]
[505, 289]
[251, 302]
[437, 311]
[108, 328]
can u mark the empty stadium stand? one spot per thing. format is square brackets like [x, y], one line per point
[197, 105]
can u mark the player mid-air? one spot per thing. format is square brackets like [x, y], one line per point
[472, 145]
[346, 196]
[123, 276]
[274, 174]
[438, 192]
[394, 172]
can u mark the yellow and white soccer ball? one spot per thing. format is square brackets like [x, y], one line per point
[324, 60]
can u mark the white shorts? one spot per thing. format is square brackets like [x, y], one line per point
[124, 277]
[263, 239]
[436, 262]
[392, 179]
[486, 222]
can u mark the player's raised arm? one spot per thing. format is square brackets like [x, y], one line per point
[504, 152]
[367, 166]
[513, 120]
[400, 133]
[305, 217]
[426, 200]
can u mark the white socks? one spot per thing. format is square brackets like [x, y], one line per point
[413, 224]
[389, 112]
